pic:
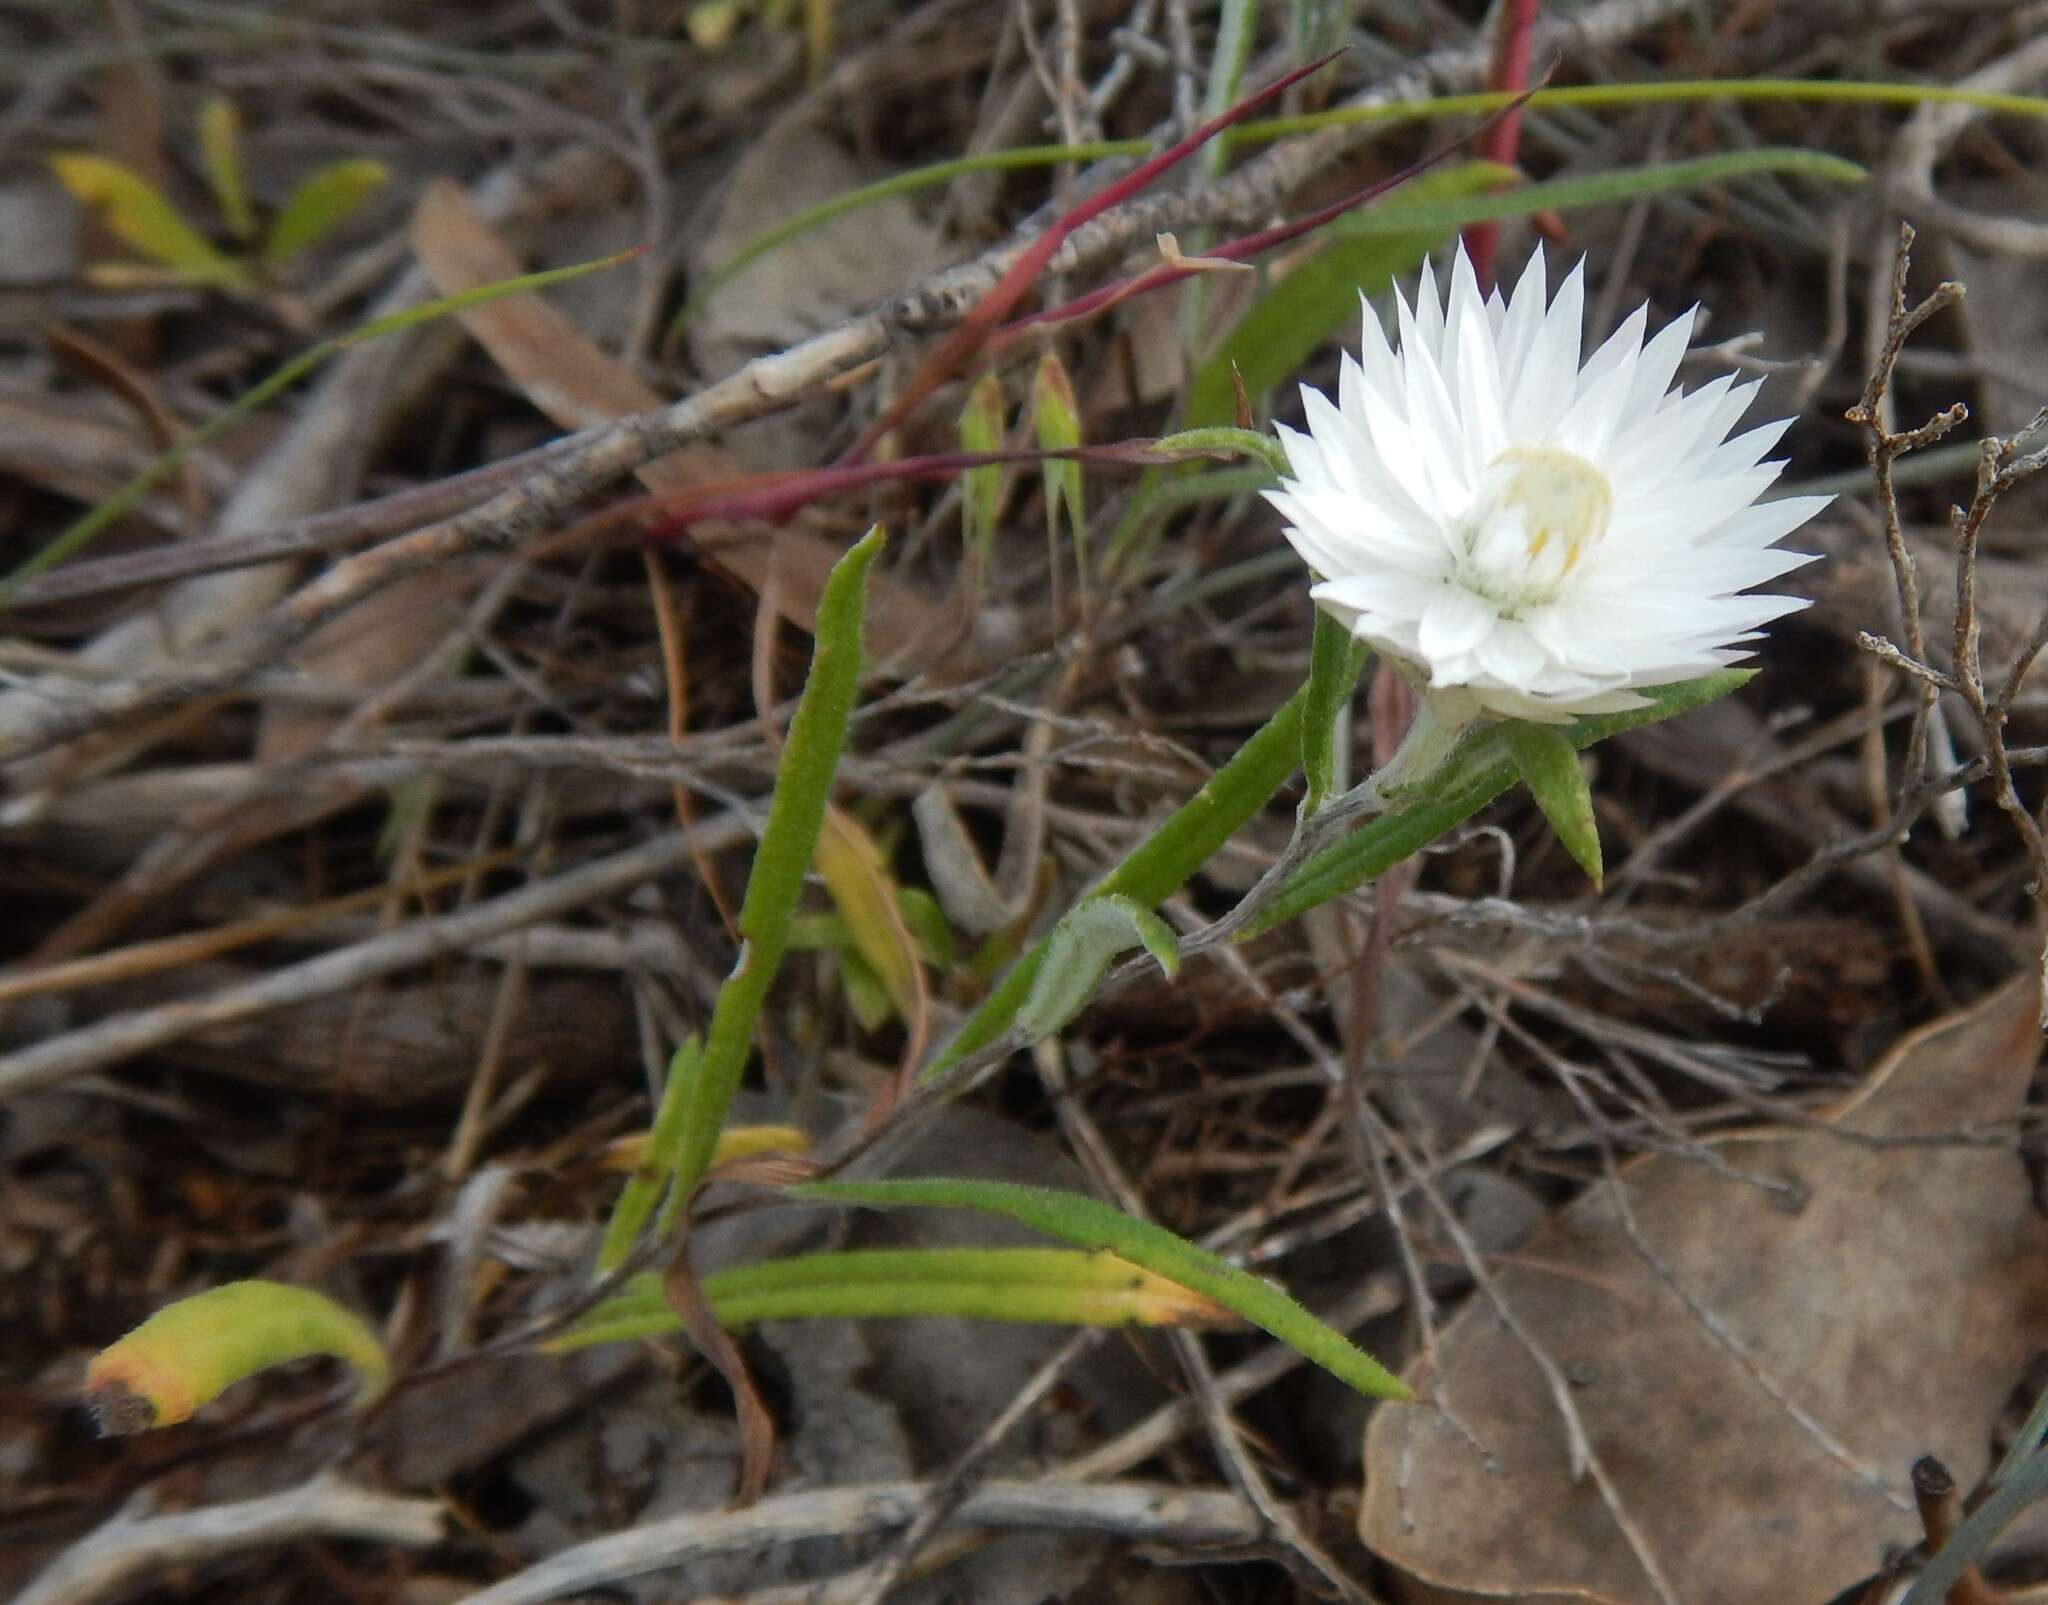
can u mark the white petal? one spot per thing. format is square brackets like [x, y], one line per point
[1509, 653]
[1550, 375]
[1429, 310]
[1659, 362]
[1524, 318]
[1384, 593]
[1619, 351]
[1380, 370]
[1745, 450]
[1453, 622]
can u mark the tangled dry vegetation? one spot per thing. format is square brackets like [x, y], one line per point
[376, 805]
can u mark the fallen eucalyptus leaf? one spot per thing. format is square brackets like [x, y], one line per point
[1878, 1303]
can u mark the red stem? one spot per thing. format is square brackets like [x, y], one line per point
[776, 496]
[1510, 75]
[1157, 278]
[954, 352]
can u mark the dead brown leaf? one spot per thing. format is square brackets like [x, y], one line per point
[569, 378]
[1885, 1314]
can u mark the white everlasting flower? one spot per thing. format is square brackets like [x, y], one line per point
[1526, 535]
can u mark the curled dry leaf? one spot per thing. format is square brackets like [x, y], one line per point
[1880, 1308]
[566, 376]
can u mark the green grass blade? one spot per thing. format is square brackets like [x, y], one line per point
[74, 538]
[1088, 1223]
[789, 841]
[1267, 130]
[1607, 97]
[1159, 866]
[1478, 779]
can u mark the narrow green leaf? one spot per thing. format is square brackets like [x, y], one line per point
[320, 205]
[1053, 1285]
[981, 489]
[1284, 327]
[1079, 951]
[190, 1352]
[789, 840]
[1335, 658]
[220, 147]
[1087, 1223]
[657, 1164]
[80, 533]
[1474, 782]
[138, 212]
[1160, 865]
[1548, 763]
[1056, 420]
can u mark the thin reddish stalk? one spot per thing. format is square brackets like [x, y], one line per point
[982, 318]
[776, 496]
[1157, 278]
[1510, 75]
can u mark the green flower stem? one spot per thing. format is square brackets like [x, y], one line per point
[1472, 780]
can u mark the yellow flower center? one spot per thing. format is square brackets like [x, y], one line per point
[1540, 511]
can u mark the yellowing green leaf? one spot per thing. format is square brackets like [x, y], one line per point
[190, 1352]
[1089, 1223]
[321, 204]
[865, 894]
[736, 1142]
[220, 144]
[139, 214]
[818, 30]
[711, 23]
[1086, 1288]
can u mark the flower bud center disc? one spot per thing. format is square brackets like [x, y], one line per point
[1539, 511]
